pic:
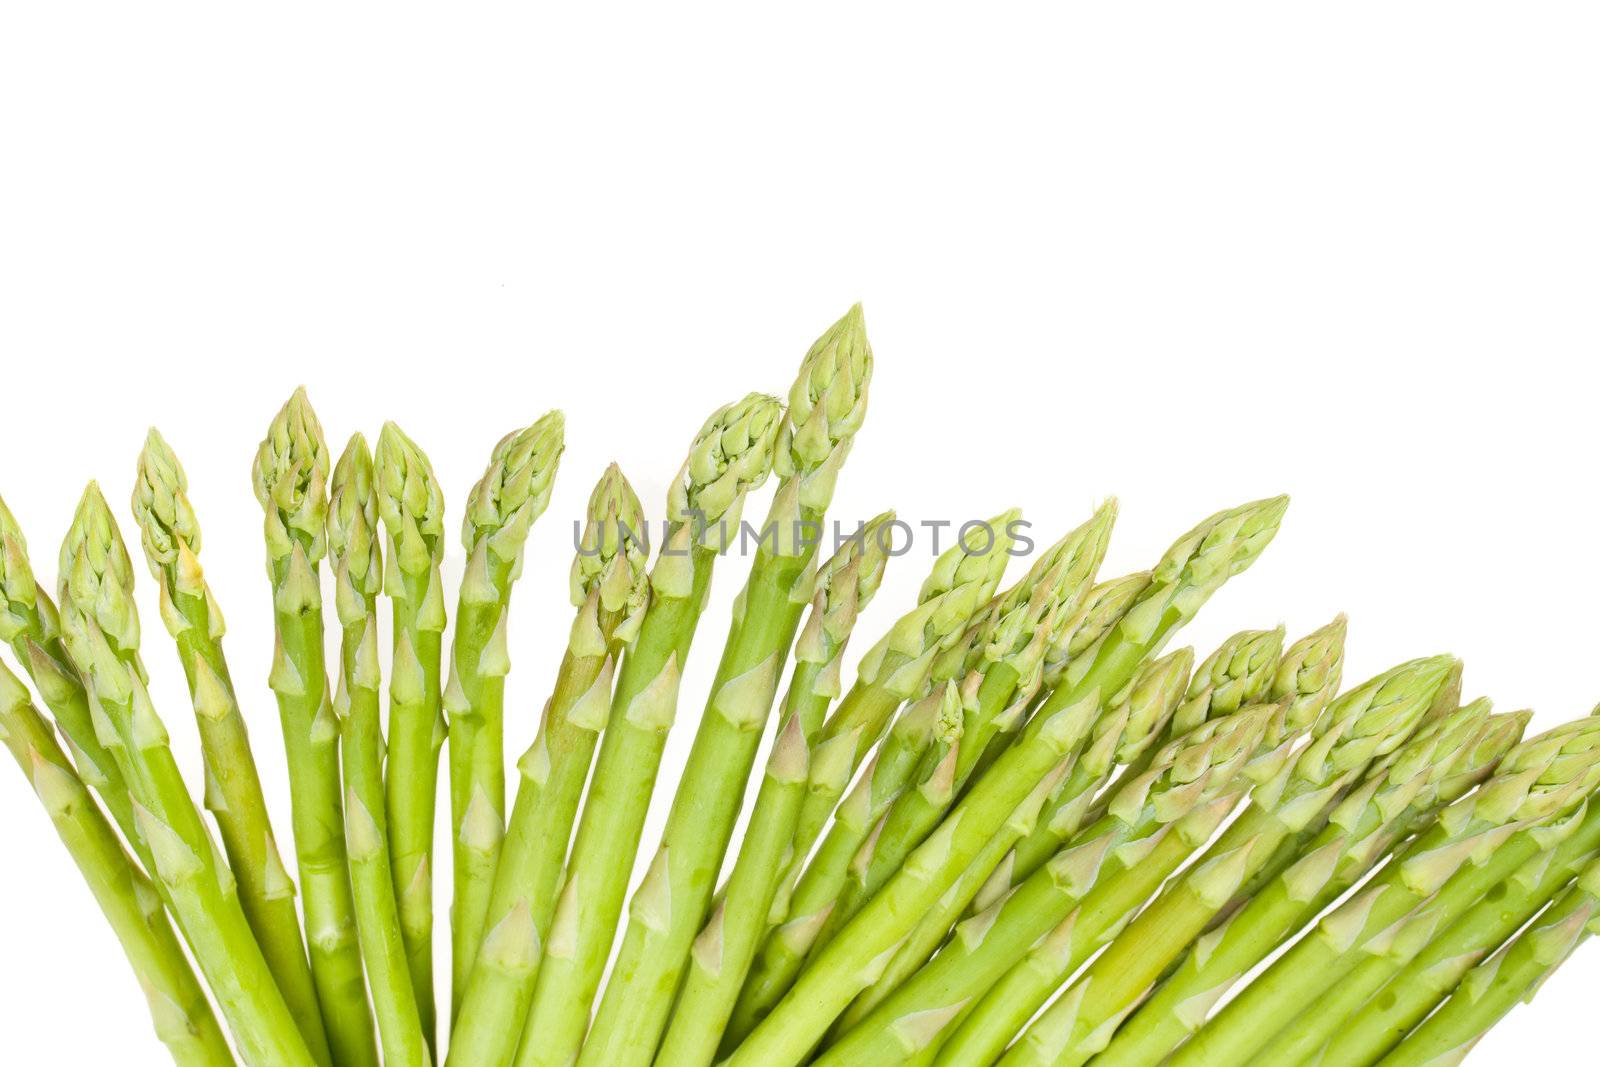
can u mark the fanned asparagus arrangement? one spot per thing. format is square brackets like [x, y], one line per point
[1017, 829]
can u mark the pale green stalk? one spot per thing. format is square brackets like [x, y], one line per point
[357, 562]
[1120, 733]
[924, 648]
[513, 492]
[1392, 993]
[171, 539]
[30, 624]
[101, 629]
[132, 906]
[1366, 724]
[291, 484]
[609, 588]
[1195, 567]
[922, 724]
[827, 405]
[1154, 823]
[412, 509]
[1361, 831]
[1476, 843]
[723, 950]
[996, 692]
[731, 456]
[1237, 674]
[1513, 975]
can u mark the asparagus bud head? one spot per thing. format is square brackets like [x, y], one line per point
[1309, 673]
[96, 575]
[1239, 673]
[291, 482]
[409, 502]
[827, 405]
[515, 489]
[352, 529]
[610, 562]
[18, 587]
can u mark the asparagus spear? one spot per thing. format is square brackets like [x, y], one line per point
[1156, 821]
[1123, 731]
[101, 629]
[610, 591]
[1306, 680]
[1365, 724]
[178, 1007]
[826, 407]
[1239, 673]
[412, 510]
[30, 624]
[996, 693]
[921, 651]
[171, 539]
[1515, 973]
[731, 456]
[513, 492]
[1476, 843]
[1309, 1033]
[1196, 566]
[352, 535]
[932, 719]
[845, 584]
[1103, 608]
[291, 480]
[1389, 806]
[1407, 988]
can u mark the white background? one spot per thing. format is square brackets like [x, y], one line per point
[1186, 254]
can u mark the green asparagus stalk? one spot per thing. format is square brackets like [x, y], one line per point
[354, 550]
[101, 628]
[1364, 725]
[1514, 974]
[610, 591]
[291, 484]
[30, 624]
[731, 456]
[928, 640]
[826, 407]
[1408, 987]
[845, 584]
[933, 719]
[178, 1007]
[513, 492]
[1526, 808]
[171, 539]
[1239, 673]
[1309, 1033]
[170, 535]
[1102, 609]
[1123, 731]
[412, 509]
[996, 692]
[1153, 824]
[1389, 806]
[1195, 567]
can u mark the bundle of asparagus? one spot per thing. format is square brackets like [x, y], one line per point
[1023, 832]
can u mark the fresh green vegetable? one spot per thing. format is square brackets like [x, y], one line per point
[731, 456]
[291, 480]
[130, 903]
[610, 592]
[412, 509]
[101, 628]
[513, 492]
[844, 585]
[357, 558]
